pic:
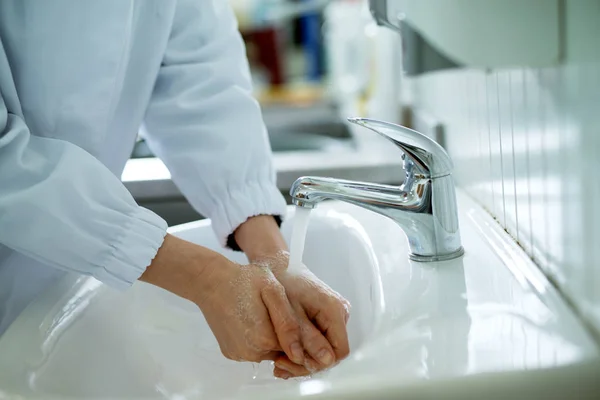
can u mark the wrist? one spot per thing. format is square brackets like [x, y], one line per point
[277, 262]
[260, 238]
[183, 268]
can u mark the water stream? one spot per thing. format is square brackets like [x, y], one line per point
[298, 236]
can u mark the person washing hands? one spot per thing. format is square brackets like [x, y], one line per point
[78, 80]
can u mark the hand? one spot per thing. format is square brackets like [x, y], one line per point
[314, 301]
[249, 314]
[323, 315]
[244, 305]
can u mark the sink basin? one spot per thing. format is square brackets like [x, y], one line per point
[488, 312]
[84, 339]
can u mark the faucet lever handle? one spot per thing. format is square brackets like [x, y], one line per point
[428, 157]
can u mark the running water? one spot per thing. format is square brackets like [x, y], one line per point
[298, 236]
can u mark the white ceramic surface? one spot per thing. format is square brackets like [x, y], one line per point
[525, 144]
[489, 311]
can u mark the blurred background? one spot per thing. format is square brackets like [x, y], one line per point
[313, 63]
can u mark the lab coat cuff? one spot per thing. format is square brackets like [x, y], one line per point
[255, 198]
[133, 251]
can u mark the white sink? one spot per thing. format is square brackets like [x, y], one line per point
[489, 311]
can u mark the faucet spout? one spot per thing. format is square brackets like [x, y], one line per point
[309, 191]
[430, 237]
[424, 205]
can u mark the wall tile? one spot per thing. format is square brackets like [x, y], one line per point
[471, 183]
[495, 150]
[573, 217]
[506, 126]
[589, 79]
[552, 93]
[521, 160]
[485, 184]
[594, 170]
[526, 143]
[537, 174]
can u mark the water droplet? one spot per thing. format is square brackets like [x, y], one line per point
[255, 367]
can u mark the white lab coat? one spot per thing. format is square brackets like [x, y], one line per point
[78, 78]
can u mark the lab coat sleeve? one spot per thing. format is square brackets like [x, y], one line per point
[61, 206]
[205, 125]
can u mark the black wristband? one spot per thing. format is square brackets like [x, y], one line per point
[232, 243]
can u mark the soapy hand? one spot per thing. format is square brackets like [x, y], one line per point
[323, 315]
[249, 314]
[245, 306]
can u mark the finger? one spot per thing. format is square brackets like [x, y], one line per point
[284, 322]
[272, 356]
[285, 364]
[333, 325]
[346, 312]
[257, 356]
[317, 346]
[279, 373]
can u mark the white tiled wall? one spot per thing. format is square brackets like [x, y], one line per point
[526, 145]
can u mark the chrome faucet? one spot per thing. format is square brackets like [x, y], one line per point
[424, 205]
